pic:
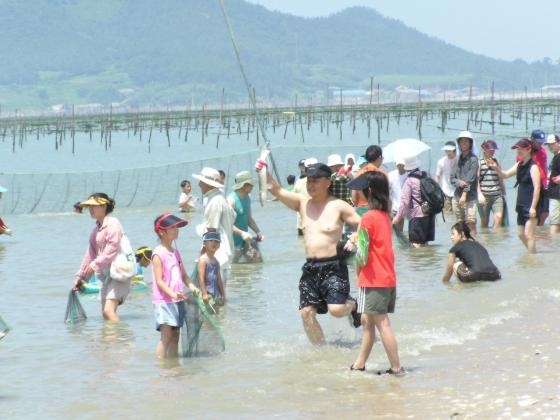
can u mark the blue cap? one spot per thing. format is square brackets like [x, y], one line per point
[361, 161]
[538, 135]
[211, 236]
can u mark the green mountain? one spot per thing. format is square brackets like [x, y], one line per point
[175, 52]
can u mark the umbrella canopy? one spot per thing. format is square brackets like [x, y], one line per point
[403, 147]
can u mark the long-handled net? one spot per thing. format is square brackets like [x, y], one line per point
[4, 328]
[74, 309]
[201, 334]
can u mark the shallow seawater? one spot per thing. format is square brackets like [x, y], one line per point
[471, 350]
[486, 350]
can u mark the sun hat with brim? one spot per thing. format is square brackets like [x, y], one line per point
[334, 160]
[242, 178]
[209, 176]
[522, 144]
[94, 201]
[550, 139]
[465, 135]
[3, 189]
[211, 236]
[449, 146]
[488, 145]
[169, 221]
[318, 170]
[411, 162]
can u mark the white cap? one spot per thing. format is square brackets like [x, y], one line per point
[310, 161]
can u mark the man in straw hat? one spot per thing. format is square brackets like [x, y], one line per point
[240, 201]
[465, 180]
[324, 285]
[218, 216]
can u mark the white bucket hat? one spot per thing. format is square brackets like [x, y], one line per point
[209, 176]
[334, 160]
[242, 178]
[411, 162]
[465, 135]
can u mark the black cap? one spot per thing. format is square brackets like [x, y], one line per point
[359, 183]
[318, 170]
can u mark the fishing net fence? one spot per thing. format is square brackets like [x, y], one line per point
[146, 186]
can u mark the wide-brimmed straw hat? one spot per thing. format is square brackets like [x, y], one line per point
[209, 176]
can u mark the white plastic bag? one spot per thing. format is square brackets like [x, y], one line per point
[123, 267]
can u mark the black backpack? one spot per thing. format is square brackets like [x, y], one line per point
[433, 197]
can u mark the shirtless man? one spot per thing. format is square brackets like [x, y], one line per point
[324, 285]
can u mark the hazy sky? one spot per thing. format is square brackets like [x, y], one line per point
[506, 29]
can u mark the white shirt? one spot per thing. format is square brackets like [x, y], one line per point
[219, 215]
[188, 199]
[443, 171]
[396, 182]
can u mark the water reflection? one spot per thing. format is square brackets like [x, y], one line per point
[117, 332]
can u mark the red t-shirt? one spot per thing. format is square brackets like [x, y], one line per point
[379, 270]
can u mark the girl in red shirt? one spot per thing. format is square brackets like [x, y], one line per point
[376, 271]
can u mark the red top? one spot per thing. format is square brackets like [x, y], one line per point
[379, 270]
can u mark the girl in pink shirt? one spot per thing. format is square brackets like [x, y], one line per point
[169, 275]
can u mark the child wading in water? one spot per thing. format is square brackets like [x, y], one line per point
[210, 279]
[377, 280]
[168, 275]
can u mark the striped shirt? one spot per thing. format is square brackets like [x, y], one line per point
[489, 179]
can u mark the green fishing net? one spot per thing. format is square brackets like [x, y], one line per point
[74, 309]
[4, 328]
[201, 335]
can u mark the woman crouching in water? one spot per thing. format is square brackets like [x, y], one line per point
[468, 259]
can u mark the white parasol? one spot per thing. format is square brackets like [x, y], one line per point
[403, 147]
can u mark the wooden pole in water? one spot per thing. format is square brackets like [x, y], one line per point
[73, 131]
[341, 115]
